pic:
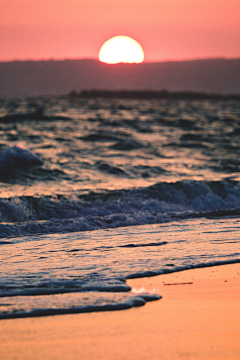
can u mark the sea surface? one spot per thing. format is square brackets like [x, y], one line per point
[97, 191]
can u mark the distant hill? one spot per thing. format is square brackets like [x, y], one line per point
[36, 78]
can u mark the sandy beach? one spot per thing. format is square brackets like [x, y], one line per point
[197, 318]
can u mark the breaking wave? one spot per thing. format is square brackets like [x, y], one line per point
[16, 159]
[162, 202]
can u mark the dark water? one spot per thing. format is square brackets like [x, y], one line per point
[95, 191]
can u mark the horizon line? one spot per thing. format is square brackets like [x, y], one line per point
[121, 63]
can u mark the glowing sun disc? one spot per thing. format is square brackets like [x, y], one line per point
[121, 49]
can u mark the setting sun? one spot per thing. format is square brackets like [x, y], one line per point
[121, 49]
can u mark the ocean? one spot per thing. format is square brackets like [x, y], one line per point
[97, 191]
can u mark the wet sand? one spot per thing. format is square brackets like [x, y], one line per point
[197, 318]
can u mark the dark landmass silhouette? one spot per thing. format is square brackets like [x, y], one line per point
[40, 78]
[148, 94]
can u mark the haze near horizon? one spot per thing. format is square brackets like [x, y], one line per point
[175, 30]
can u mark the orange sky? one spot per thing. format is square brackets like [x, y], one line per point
[166, 29]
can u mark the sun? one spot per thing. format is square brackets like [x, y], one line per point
[121, 49]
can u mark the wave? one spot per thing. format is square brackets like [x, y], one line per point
[18, 165]
[16, 159]
[38, 115]
[162, 202]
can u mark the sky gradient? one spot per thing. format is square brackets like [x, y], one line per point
[76, 29]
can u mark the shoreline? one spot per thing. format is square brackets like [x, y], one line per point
[197, 318]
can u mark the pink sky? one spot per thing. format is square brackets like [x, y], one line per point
[76, 29]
